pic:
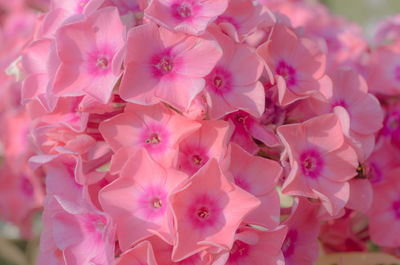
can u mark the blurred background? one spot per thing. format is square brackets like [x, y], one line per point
[366, 13]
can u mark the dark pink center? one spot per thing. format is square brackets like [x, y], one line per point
[162, 64]
[287, 72]
[311, 163]
[204, 212]
[152, 202]
[220, 81]
[102, 63]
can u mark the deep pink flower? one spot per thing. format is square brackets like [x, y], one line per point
[210, 210]
[321, 161]
[166, 66]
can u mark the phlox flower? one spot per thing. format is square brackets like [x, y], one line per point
[233, 83]
[88, 51]
[166, 66]
[321, 161]
[363, 114]
[139, 198]
[258, 176]
[297, 63]
[242, 18]
[256, 247]
[248, 127]
[188, 16]
[384, 215]
[301, 245]
[74, 7]
[75, 234]
[210, 141]
[157, 128]
[209, 209]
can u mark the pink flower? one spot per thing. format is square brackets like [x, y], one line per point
[156, 128]
[210, 141]
[210, 210]
[88, 51]
[73, 7]
[363, 110]
[188, 16]
[76, 234]
[301, 245]
[258, 176]
[247, 128]
[166, 66]
[140, 198]
[297, 63]
[233, 84]
[384, 223]
[242, 18]
[256, 247]
[384, 78]
[321, 161]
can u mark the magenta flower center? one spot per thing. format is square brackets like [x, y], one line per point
[102, 63]
[219, 81]
[162, 64]
[154, 139]
[81, 5]
[311, 163]
[184, 10]
[156, 203]
[151, 203]
[396, 208]
[197, 160]
[287, 72]
[204, 212]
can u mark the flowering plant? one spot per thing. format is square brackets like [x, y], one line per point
[198, 132]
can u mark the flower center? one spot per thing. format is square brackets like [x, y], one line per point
[197, 160]
[287, 72]
[154, 139]
[311, 163]
[203, 213]
[185, 10]
[218, 82]
[239, 250]
[102, 63]
[165, 65]
[156, 203]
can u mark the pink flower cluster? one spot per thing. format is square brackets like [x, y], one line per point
[170, 131]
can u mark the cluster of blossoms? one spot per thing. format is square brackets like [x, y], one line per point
[169, 131]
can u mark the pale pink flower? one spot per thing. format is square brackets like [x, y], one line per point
[156, 128]
[210, 210]
[88, 51]
[301, 244]
[166, 66]
[384, 78]
[188, 16]
[384, 216]
[233, 83]
[210, 141]
[139, 198]
[247, 128]
[363, 110]
[321, 161]
[242, 18]
[76, 234]
[258, 176]
[256, 247]
[297, 63]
